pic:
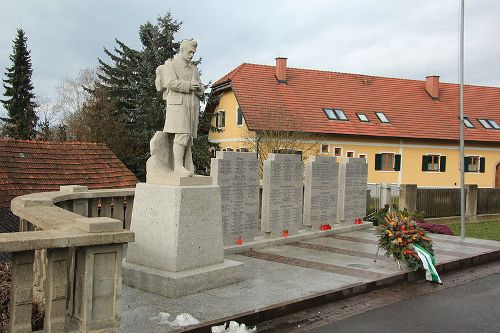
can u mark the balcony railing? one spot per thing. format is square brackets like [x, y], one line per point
[70, 246]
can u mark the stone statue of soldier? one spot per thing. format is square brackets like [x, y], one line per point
[179, 80]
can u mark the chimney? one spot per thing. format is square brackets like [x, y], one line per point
[281, 70]
[432, 86]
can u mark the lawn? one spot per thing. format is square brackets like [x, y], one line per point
[481, 230]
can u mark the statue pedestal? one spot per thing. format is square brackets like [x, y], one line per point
[178, 241]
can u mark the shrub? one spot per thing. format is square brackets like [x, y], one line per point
[37, 315]
[435, 228]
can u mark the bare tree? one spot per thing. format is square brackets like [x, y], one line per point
[280, 141]
[71, 94]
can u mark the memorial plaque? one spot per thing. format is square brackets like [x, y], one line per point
[237, 174]
[320, 191]
[282, 195]
[353, 177]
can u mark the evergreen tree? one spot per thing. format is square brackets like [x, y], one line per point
[129, 81]
[20, 103]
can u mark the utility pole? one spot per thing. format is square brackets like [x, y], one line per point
[462, 154]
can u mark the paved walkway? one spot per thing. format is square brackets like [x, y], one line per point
[301, 274]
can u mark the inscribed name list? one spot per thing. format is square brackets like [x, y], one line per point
[282, 194]
[237, 174]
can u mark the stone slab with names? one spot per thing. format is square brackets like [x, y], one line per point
[237, 174]
[282, 195]
[353, 177]
[320, 191]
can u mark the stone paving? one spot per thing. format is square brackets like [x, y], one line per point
[301, 271]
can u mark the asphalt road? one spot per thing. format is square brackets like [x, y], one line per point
[471, 307]
[468, 301]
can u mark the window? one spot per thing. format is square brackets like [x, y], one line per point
[335, 114]
[227, 149]
[239, 117]
[468, 123]
[489, 123]
[337, 151]
[381, 116]
[494, 124]
[220, 119]
[349, 154]
[325, 149]
[388, 162]
[474, 164]
[242, 150]
[362, 117]
[435, 163]
[485, 123]
[362, 156]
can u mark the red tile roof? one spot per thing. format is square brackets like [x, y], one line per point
[37, 166]
[298, 105]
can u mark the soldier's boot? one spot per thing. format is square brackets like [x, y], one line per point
[179, 168]
[189, 158]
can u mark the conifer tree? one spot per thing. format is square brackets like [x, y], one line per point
[20, 103]
[129, 81]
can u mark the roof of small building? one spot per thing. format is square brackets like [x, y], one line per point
[39, 166]
[299, 104]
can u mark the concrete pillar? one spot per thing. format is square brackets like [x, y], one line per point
[96, 301]
[408, 197]
[471, 201]
[21, 292]
[385, 195]
[56, 288]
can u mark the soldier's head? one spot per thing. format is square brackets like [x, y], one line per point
[188, 48]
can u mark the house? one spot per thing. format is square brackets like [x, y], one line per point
[408, 130]
[38, 166]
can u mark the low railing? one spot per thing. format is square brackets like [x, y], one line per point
[71, 245]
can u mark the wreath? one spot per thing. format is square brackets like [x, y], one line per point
[398, 232]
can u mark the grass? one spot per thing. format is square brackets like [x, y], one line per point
[482, 230]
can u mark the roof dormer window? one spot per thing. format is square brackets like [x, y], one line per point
[468, 123]
[494, 124]
[381, 116]
[362, 117]
[335, 114]
[488, 123]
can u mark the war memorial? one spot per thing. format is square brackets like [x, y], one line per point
[229, 246]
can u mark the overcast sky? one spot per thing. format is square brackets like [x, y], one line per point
[395, 38]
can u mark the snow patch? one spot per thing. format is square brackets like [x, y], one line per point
[184, 319]
[233, 327]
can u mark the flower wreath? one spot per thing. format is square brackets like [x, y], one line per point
[397, 234]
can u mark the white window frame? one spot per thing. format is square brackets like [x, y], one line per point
[393, 161]
[439, 162]
[466, 167]
[350, 151]
[365, 156]
[339, 155]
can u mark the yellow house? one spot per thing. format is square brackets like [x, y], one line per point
[408, 130]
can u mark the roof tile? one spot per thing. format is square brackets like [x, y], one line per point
[298, 105]
[39, 166]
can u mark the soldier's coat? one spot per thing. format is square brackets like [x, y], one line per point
[183, 106]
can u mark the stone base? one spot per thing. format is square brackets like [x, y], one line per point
[176, 284]
[164, 178]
